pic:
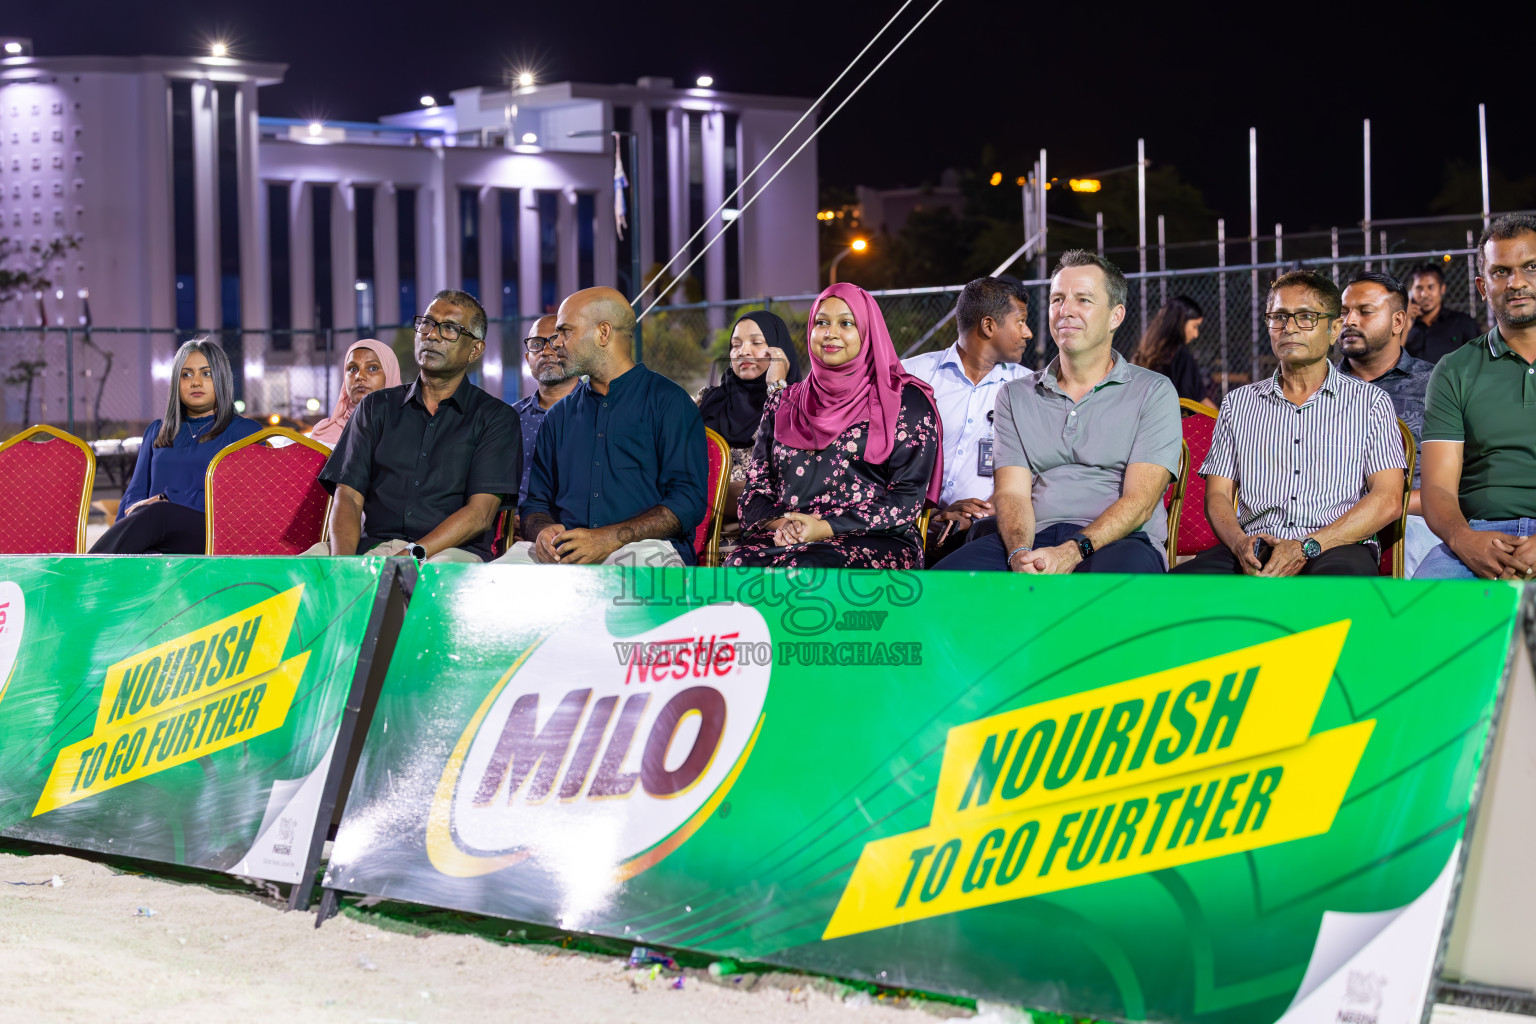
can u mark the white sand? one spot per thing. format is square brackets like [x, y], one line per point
[79, 953]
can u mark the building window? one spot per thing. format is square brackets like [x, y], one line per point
[661, 189]
[732, 237]
[469, 240]
[325, 310]
[184, 209]
[405, 246]
[508, 208]
[549, 251]
[278, 267]
[586, 239]
[623, 121]
[362, 198]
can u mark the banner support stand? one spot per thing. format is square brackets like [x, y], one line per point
[347, 736]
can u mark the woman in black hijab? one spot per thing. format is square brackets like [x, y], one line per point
[762, 359]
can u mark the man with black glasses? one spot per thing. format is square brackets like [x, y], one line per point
[423, 468]
[1307, 465]
[547, 366]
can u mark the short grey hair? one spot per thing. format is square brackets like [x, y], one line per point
[1114, 280]
[464, 300]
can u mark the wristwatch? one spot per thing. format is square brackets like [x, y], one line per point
[418, 552]
[1311, 548]
[1084, 545]
[775, 386]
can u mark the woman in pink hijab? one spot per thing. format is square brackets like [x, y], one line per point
[369, 365]
[846, 459]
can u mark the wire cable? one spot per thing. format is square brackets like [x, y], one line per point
[767, 156]
[811, 138]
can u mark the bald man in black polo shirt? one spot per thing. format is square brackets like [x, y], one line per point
[422, 469]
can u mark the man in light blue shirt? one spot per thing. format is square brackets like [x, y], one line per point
[992, 315]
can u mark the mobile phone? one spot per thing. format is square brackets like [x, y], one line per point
[1262, 549]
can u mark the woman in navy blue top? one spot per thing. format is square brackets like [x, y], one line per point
[162, 509]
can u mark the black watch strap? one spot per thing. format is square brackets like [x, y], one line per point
[1084, 545]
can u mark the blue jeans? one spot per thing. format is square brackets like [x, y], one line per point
[1442, 564]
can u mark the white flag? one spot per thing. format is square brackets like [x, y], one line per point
[620, 183]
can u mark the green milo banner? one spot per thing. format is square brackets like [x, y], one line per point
[183, 710]
[1194, 800]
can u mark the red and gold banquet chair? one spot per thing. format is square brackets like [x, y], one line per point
[1189, 532]
[47, 475]
[265, 500]
[706, 539]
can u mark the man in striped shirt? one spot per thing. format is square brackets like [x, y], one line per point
[1305, 465]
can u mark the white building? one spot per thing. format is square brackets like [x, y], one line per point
[193, 212]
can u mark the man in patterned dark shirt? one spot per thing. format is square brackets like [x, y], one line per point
[1376, 320]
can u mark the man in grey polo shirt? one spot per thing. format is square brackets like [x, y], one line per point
[1085, 447]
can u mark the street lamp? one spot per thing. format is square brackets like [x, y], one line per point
[857, 245]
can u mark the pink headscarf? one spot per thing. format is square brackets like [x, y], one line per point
[328, 431]
[868, 387]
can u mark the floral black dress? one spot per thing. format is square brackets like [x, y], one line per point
[871, 507]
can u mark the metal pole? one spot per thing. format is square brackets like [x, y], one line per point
[1253, 246]
[1334, 252]
[1044, 223]
[1279, 257]
[69, 374]
[1471, 276]
[1383, 248]
[636, 281]
[1162, 262]
[1141, 223]
[1482, 148]
[1098, 220]
[1365, 225]
[1221, 295]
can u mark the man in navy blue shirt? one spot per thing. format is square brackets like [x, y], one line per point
[619, 467]
[555, 382]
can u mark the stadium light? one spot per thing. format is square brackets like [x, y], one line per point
[524, 79]
[315, 128]
[219, 50]
[705, 81]
[13, 48]
[428, 101]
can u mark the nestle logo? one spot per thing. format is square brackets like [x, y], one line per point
[692, 657]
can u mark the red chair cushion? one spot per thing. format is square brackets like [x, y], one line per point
[718, 460]
[267, 501]
[42, 481]
[1195, 533]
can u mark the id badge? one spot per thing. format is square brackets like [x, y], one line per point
[984, 457]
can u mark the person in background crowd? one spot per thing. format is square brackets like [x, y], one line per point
[422, 469]
[1085, 447]
[1312, 457]
[845, 459]
[1374, 321]
[555, 382]
[1479, 484]
[162, 507]
[763, 362]
[992, 316]
[368, 366]
[620, 467]
[1164, 347]
[1436, 330]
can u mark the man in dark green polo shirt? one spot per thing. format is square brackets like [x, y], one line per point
[1479, 481]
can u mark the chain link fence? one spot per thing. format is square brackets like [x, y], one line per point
[106, 383]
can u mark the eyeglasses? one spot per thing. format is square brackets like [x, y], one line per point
[1305, 320]
[446, 329]
[535, 344]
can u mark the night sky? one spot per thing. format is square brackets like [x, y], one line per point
[1082, 80]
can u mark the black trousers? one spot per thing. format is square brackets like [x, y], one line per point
[1348, 560]
[159, 528]
[1135, 553]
